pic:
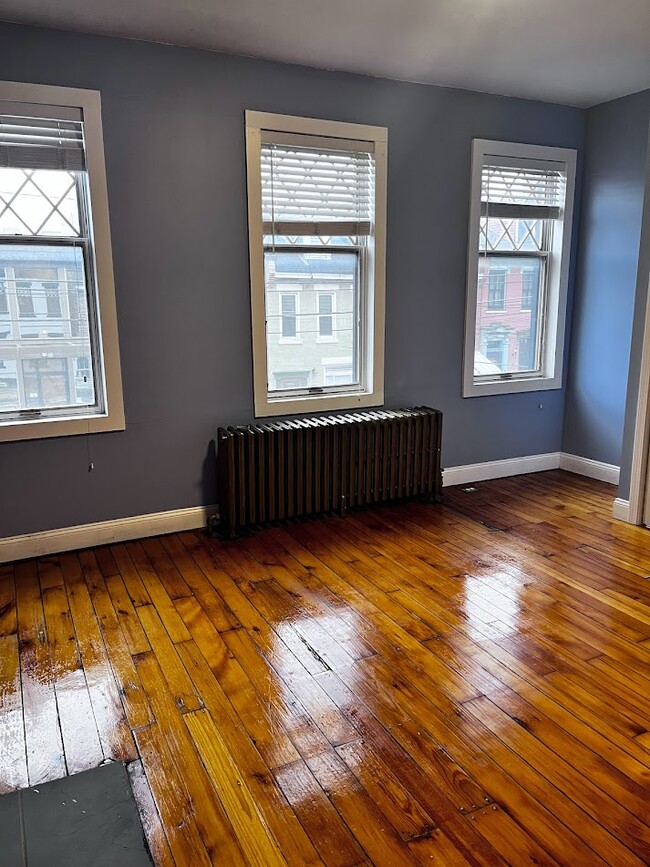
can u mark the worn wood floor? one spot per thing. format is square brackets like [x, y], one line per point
[413, 685]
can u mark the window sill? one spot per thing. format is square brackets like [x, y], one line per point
[327, 340]
[511, 386]
[317, 403]
[283, 341]
[39, 428]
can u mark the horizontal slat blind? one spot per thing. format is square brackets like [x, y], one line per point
[511, 191]
[316, 191]
[41, 143]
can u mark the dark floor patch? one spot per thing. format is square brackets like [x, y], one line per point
[87, 820]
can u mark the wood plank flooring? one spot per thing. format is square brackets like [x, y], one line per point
[457, 684]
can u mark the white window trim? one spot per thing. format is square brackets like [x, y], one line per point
[558, 280]
[373, 347]
[112, 419]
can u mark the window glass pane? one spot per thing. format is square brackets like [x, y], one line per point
[311, 241]
[45, 342]
[508, 315]
[294, 294]
[504, 234]
[40, 202]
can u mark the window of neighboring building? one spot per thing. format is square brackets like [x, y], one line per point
[83, 373]
[337, 371]
[526, 352]
[529, 286]
[4, 303]
[291, 378]
[317, 199]
[25, 298]
[8, 385]
[54, 227]
[518, 261]
[325, 301]
[496, 289]
[494, 348]
[289, 315]
[52, 299]
[46, 382]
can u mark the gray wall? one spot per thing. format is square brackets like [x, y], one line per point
[606, 282]
[173, 121]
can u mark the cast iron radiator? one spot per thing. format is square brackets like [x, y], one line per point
[287, 469]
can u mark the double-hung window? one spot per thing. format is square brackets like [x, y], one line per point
[518, 263]
[317, 223]
[57, 312]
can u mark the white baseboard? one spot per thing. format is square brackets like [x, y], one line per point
[586, 467]
[177, 520]
[500, 469]
[102, 533]
[621, 510]
[530, 464]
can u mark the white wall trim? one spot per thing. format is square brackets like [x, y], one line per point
[639, 469]
[500, 469]
[621, 510]
[587, 467]
[106, 354]
[530, 464]
[274, 127]
[550, 376]
[103, 532]
[177, 520]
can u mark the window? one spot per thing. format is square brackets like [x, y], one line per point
[83, 382]
[291, 379]
[495, 350]
[25, 298]
[325, 315]
[518, 261]
[337, 371]
[46, 382]
[56, 267]
[526, 352]
[288, 313]
[496, 289]
[529, 285]
[317, 204]
[4, 303]
[52, 299]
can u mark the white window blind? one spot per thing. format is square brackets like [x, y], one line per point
[42, 142]
[316, 191]
[522, 189]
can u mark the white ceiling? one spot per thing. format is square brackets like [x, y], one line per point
[579, 52]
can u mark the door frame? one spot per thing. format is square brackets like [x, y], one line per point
[639, 474]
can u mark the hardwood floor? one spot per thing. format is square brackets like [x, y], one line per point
[456, 684]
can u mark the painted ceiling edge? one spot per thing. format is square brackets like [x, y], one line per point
[579, 103]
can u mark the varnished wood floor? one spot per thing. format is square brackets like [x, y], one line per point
[413, 685]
